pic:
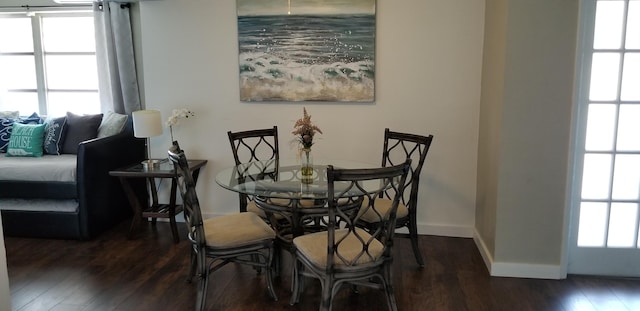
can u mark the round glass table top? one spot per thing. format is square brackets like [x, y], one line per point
[283, 179]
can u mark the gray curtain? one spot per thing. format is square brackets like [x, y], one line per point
[117, 78]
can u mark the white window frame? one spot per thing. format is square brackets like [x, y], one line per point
[39, 54]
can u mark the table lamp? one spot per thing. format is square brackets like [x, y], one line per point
[147, 124]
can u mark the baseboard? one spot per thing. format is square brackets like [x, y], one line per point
[442, 230]
[517, 270]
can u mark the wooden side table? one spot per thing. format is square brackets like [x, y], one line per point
[155, 210]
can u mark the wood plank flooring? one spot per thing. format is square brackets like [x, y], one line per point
[148, 273]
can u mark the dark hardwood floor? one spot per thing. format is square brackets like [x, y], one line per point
[148, 273]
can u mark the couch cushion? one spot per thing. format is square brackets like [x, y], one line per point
[26, 140]
[79, 129]
[46, 168]
[38, 205]
[54, 135]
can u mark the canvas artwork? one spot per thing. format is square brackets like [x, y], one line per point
[306, 50]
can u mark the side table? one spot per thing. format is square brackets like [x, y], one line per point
[154, 210]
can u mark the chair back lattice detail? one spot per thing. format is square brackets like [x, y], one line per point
[251, 146]
[346, 253]
[191, 205]
[397, 148]
[401, 146]
[254, 145]
[252, 243]
[348, 245]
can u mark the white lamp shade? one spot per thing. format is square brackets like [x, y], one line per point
[146, 123]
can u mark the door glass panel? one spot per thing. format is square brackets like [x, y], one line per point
[631, 77]
[622, 225]
[626, 177]
[608, 29]
[17, 72]
[633, 26]
[596, 176]
[72, 72]
[604, 76]
[601, 122]
[628, 128]
[68, 34]
[593, 224]
[15, 35]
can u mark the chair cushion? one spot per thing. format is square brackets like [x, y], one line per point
[236, 230]
[314, 247]
[252, 207]
[382, 205]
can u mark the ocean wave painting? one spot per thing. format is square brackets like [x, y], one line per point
[306, 50]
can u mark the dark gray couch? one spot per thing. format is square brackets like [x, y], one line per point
[101, 200]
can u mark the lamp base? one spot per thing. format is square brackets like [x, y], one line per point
[150, 165]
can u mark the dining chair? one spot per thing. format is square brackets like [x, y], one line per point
[346, 253]
[254, 145]
[242, 238]
[397, 148]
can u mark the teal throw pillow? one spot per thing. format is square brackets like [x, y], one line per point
[26, 140]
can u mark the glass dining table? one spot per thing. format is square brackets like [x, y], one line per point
[292, 206]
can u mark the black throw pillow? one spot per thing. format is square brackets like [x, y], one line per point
[79, 129]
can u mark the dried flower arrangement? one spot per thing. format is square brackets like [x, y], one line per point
[305, 130]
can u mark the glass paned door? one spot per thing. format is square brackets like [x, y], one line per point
[606, 201]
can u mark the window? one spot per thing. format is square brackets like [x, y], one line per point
[48, 64]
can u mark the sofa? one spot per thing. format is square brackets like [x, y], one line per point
[68, 194]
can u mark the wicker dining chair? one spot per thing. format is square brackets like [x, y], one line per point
[346, 253]
[254, 145]
[397, 148]
[242, 238]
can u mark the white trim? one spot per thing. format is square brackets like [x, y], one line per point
[517, 270]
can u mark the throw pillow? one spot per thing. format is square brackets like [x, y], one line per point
[112, 123]
[5, 133]
[7, 123]
[54, 135]
[34, 118]
[79, 129]
[9, 114]
[26, 140]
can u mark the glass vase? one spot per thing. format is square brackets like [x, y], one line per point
[306, 166]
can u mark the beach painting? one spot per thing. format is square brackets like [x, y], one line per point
[306, 50]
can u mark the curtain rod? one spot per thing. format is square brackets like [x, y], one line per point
[27, 8]
[62, 7]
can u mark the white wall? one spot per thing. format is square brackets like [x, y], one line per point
[428, 68]
[527, 95]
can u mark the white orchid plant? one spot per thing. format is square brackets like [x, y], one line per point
[175, 117]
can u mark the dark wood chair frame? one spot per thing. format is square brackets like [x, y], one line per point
[416, 148]
[252, 142]
[342, 269]
[259, 255]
